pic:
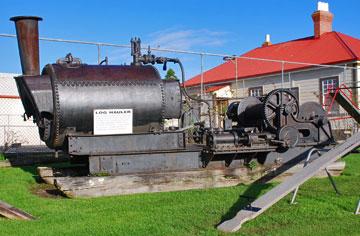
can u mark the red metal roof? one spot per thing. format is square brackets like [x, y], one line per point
[215, 88]
[330, 48]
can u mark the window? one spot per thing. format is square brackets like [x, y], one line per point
[221, 106]
[328, 85]
[256, 91]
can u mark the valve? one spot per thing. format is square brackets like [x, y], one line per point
[148, 58]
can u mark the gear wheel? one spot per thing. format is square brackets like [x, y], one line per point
[279, 105]
[289, 135]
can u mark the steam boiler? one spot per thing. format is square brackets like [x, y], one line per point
[112, 116]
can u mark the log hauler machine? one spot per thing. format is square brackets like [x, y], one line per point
[112, 116]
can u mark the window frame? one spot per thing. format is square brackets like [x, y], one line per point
[335, 108]
[256, 88]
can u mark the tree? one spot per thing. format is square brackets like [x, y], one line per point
[170, 75]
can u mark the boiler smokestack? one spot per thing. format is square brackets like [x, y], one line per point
[28, 42]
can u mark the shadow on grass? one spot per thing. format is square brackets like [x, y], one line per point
[28, 158]
[256, 188]
[40, 187]
[46, 191]
[244, 200]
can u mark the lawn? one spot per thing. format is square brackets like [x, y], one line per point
[319, 210]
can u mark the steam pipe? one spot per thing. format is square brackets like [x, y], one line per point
[191, 97]
[28, 42]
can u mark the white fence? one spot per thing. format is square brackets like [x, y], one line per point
[13, 128]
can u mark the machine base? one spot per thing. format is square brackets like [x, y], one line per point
[85, 145]
[144, 162]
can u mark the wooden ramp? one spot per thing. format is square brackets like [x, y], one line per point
[280, 191]
[11, 212]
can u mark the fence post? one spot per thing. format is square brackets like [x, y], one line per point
[290, 81]
[244, 91]
[99, 52]
[4, 136]
[282, 74]
[236, 78]
[344, 77]
[201, 75]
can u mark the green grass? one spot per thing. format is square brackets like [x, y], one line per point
[2, 157]
[319, 210]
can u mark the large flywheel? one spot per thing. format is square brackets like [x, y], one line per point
[280, 109]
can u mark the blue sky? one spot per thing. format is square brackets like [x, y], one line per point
[231, 27]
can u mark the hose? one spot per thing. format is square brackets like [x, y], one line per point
[189, 96]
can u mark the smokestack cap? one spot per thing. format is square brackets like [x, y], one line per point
[16, 18]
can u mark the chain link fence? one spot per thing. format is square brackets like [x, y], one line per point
[221, 79]
[13, 129]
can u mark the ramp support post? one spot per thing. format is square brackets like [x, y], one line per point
[332, 182]
[305, 164]
[293, 198]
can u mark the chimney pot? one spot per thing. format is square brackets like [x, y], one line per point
[267, 38]
[267, 41]
[323, 6]
[322, 19]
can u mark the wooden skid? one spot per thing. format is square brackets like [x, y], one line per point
[157, 182]
[49, 174]
[5, 163]
[147, 183]
[11, 212]
[280, 191]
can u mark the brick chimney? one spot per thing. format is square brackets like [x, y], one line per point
[322, 19]
[267, 41]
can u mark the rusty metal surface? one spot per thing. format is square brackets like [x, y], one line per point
[28, 41]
